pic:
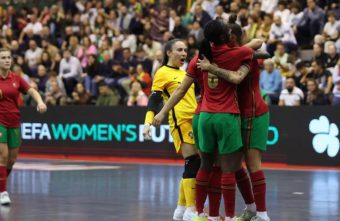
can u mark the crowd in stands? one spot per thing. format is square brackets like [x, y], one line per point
[106, 52]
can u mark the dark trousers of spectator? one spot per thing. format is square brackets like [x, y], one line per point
[70, 84]
[306, 33]
[336, 101]
[274, 99]
[289, 46]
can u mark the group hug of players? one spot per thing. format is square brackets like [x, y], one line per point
[227, 125]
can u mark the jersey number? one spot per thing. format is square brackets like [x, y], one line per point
[212, 80]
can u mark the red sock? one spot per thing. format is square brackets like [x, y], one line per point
[259, 188]
[229, 191]
[9, 170]
[3, 178]
[214, 191]
[202, 179]
[243, 183]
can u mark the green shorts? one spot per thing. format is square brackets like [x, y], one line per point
[195, 130]
[222, 130]
[255, 131]
[11, 136]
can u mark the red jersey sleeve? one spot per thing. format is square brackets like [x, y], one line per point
[23, 85]
[192, 67]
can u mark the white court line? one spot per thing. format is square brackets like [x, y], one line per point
[61, 167]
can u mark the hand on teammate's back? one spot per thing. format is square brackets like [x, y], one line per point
[203, 64]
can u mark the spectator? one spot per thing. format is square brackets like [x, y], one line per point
[46, 61]
[137, 97]
[300, 76]
[91, 72]
[80, 96]
[107, 97]
[295, 16]
[268, 6]
[124, 18]
[264, 30]
[319, 54]
[330, 31]
[179, 31]
[144, 79]
[283, 12]
[32, 56]
[70, 71]
[151, 47]
[333, 56]
[281, 33]
[141, 58]
[291, 95]
[321, 75]
[42, 78]
[160, 24]
[157, 62]
[280, 60]
[271, 81]
[50, 48]
[209, 6]
[220, 13]
[55, 96]
[34, 25]
[311, 23]
[197, 32]
[53, 76]
[88, 49]
[18, 70]
[201, 16]
[314, 95]
[336, 81]
[252, 27]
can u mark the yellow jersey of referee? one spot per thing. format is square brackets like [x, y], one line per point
[167, 79]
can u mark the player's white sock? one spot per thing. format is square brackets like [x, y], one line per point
[251, 207]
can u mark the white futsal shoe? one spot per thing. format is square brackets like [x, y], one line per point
[189, 214]
[4, 198]
[257, 218]
[179, 212]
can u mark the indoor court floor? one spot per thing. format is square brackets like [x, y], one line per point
[55, 190]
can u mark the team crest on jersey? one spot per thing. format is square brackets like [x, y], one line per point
[212, 80]
[1, 94]
[191, 135]
[0, 134]
[14, 85]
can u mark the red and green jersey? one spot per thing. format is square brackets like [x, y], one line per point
[220, 96]
[249, 95]
[10, 88]
[195, 72]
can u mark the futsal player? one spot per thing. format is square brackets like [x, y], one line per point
[166, 80]
[11, 85]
